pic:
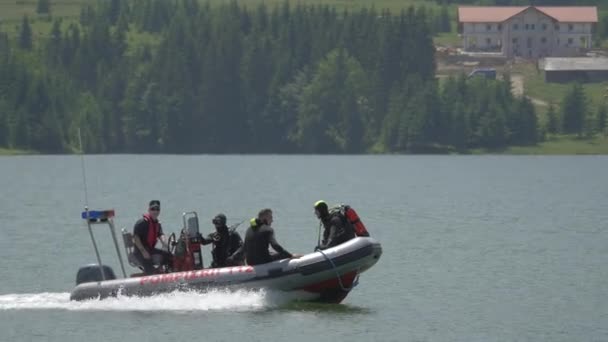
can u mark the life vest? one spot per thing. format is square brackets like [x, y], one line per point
[153, 228]
[349, 215]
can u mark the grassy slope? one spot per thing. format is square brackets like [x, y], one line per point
[535, 86]
[13, 152]
[565, 145]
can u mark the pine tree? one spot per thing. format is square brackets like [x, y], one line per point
[5, 47]
[492, 130]
[4, 133]
[603, 27]
[574, 110]
[444, 20]
[529, 120]
[25, 34]
[114, 9]
[552, 120]
[43, 7]
[601, 118]
[589, 125]
[54, 44]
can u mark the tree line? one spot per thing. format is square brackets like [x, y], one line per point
[231, 79]
[575, 116]
[525, 2]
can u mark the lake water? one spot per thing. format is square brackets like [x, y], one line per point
[476, 248]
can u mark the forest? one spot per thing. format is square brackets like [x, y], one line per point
[233, 79]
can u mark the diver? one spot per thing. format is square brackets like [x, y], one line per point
[146, 232]
[337, 229]
[258, 237]
[225, 242]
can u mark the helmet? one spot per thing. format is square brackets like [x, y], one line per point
[321, 208]
[320, 205]
[219, 219]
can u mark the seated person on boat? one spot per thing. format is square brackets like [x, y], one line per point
[258, 237]
[146, 232]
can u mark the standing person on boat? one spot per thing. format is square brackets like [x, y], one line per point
[225, 242]
[336, 228]
[146, 232]
[258, 237]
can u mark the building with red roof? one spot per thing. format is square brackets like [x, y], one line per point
[527, 31]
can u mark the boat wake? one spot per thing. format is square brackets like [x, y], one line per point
[220, 300]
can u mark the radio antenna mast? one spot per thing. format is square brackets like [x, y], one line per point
[84, 174]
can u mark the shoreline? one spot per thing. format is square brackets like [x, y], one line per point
[554, 145]
[16, 152]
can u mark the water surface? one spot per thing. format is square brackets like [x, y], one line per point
[476, 248]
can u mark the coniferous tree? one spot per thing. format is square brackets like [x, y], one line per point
[43, 7]
[333, 104]
[574, 110]
[444, 20]
[3, 122]
[54, 44]
[25, 34]
[589, 125]
[603, 27]
[552, 120]
[114, 9]
[294, 78]
[601, 118]
[528, 126]
[5, 47]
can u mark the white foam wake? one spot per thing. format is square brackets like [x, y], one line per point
[177, 301]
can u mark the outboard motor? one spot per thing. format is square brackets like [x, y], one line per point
[92, 273]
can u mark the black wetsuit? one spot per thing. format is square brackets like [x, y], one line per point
[225, 243]
[255, 248]
[141, 230]
[336, 231]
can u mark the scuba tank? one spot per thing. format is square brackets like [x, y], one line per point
[353, 219]
[182, 256]
[195, 252]
[193, 239]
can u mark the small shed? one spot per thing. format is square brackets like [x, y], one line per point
[580, 69]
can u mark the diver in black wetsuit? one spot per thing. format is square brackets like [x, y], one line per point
[337, 230]
[225, 242]
[258, 237]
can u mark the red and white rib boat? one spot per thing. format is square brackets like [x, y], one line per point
[329, 274]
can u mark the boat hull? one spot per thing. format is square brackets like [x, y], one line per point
[329, 275]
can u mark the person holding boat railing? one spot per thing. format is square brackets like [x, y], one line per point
[146, 232]
[225, 242]
[260, 236]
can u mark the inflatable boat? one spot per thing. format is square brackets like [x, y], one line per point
[326, 275]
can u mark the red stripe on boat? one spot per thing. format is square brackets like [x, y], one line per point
[347, 282]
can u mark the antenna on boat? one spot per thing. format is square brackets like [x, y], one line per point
[86, 214]
[84, 174]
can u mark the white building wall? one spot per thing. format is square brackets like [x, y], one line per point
[530, 34]
[482, 36]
